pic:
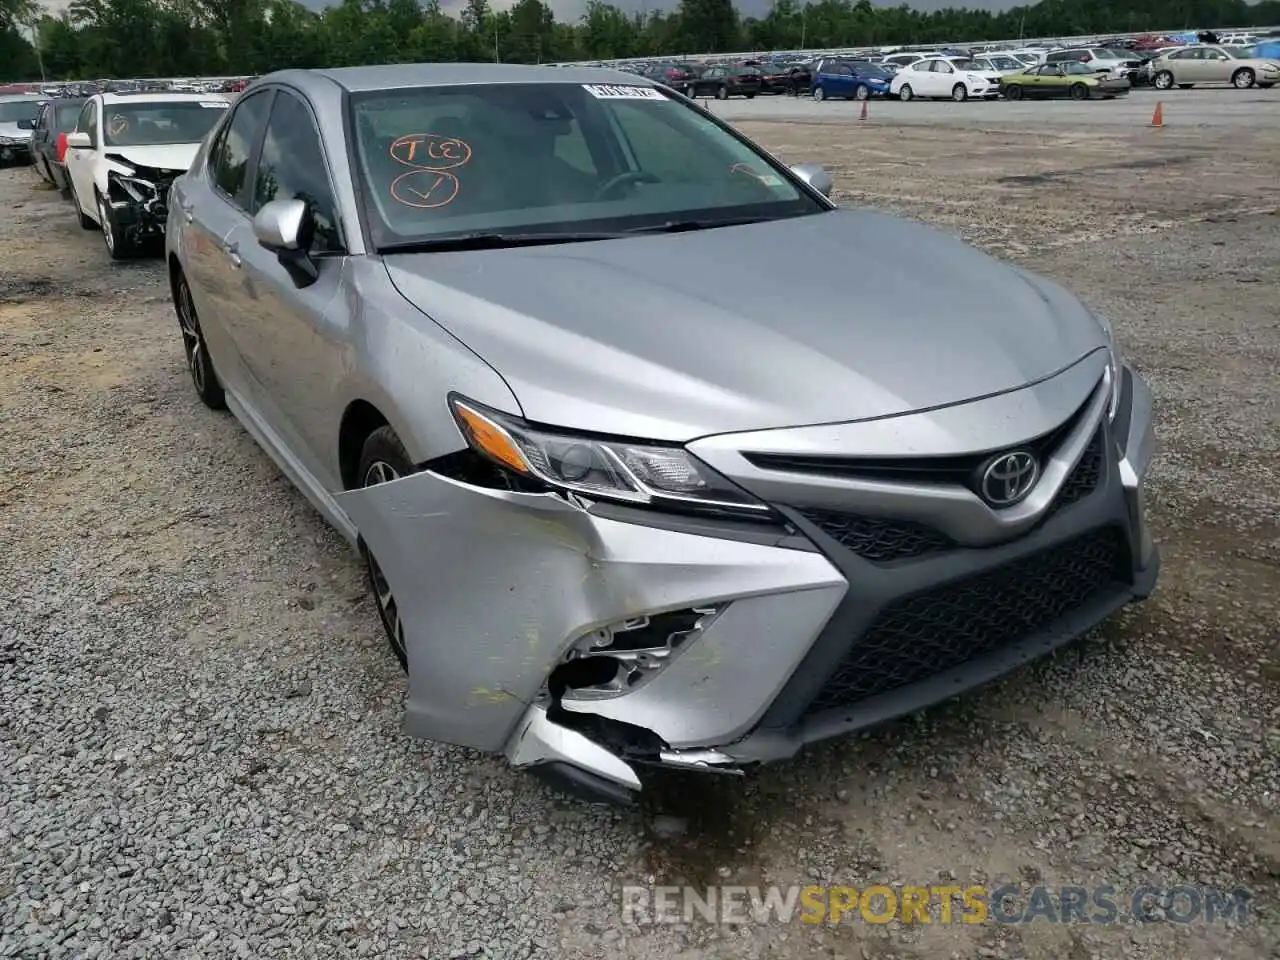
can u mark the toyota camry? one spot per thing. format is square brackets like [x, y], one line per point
[605, 397]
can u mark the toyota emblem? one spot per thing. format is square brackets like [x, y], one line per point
[1008, 478]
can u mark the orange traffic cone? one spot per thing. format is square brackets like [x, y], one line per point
[1157, 118]
[863, 114]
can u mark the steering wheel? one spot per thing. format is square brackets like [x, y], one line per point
[623, 179]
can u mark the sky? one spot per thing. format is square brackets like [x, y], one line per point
[570, 10]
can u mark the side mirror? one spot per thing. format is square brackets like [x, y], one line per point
[816, 176]
[284, 227]
[26, 124]
[78, 140]
[279, 225]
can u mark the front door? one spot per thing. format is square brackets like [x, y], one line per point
[295, 336]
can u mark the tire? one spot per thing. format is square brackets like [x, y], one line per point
[959, 93]
[86, 222]
[722, 93]
[1163, 80]
[1079, 91]
[199, 364]
[862, 92]
[1243, 79]
[906, 93]
[749, 96]
[118, 246]
[1012, 92]
[819, 94]
[384, 458]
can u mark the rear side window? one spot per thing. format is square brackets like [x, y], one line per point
[292, 167]
[229, 158]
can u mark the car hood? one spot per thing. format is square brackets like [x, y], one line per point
[160, 156]
[834, 317]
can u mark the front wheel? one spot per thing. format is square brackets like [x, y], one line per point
[749, 96]
[1162, 80]
[1079, 91]
[862, 93]
[819, 94]
[906, 93]
[1013, 92]
[959, 93]
[722, 93]
[118, 245]
[1242, 79]
[383, 459]
[199, 363]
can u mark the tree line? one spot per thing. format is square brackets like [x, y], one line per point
[97, 39]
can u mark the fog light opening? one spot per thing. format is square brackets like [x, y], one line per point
[621, 656]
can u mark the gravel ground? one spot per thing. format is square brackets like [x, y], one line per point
[200, 751]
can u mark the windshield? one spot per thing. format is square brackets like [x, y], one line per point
[1004, 63]
[1238, 53]
[554, 157]
[966, 65]
[14, 110]
[1075, 66]
[159, 121]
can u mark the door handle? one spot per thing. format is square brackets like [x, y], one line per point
[233, 253]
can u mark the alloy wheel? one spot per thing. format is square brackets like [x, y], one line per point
[192, 341]
[381, 472]
[104, 218]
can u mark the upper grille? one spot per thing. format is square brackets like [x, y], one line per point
[922, 635]
[878, 539]
[1085, 476]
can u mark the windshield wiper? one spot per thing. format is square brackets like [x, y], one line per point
[685, 226]
[492, 240]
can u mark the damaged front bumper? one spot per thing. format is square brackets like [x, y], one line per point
[585, 640]
[139, 200]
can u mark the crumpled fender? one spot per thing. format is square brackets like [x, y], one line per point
[492, 586]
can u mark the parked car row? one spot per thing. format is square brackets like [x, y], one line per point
[579, 565]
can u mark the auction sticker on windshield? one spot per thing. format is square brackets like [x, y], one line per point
[608, 91]
[214, 104]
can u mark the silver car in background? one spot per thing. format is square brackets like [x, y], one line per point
[607, 400]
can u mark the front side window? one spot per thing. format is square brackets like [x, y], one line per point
[1076, 69]
[554, 158]
[159, 122]
[292, 167]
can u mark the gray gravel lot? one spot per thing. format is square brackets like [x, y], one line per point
[200, 752]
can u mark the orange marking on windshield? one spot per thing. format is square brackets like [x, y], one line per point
[428, 184]
[430, 151]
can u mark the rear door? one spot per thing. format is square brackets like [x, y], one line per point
[213, 205]
[295, 337]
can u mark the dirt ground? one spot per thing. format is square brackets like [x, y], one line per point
[1150, 754]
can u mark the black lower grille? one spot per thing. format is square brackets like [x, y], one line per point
[876, 538]
[931, 632]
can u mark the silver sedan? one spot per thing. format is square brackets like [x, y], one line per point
[606, 398]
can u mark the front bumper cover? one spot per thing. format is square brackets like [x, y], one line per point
[494, 587]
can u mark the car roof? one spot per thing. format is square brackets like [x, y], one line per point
[399, 76]
[157, 97]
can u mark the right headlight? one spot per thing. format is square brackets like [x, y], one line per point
[605, 468]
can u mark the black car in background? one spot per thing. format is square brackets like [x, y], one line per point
[49, 142]
[723, 81]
